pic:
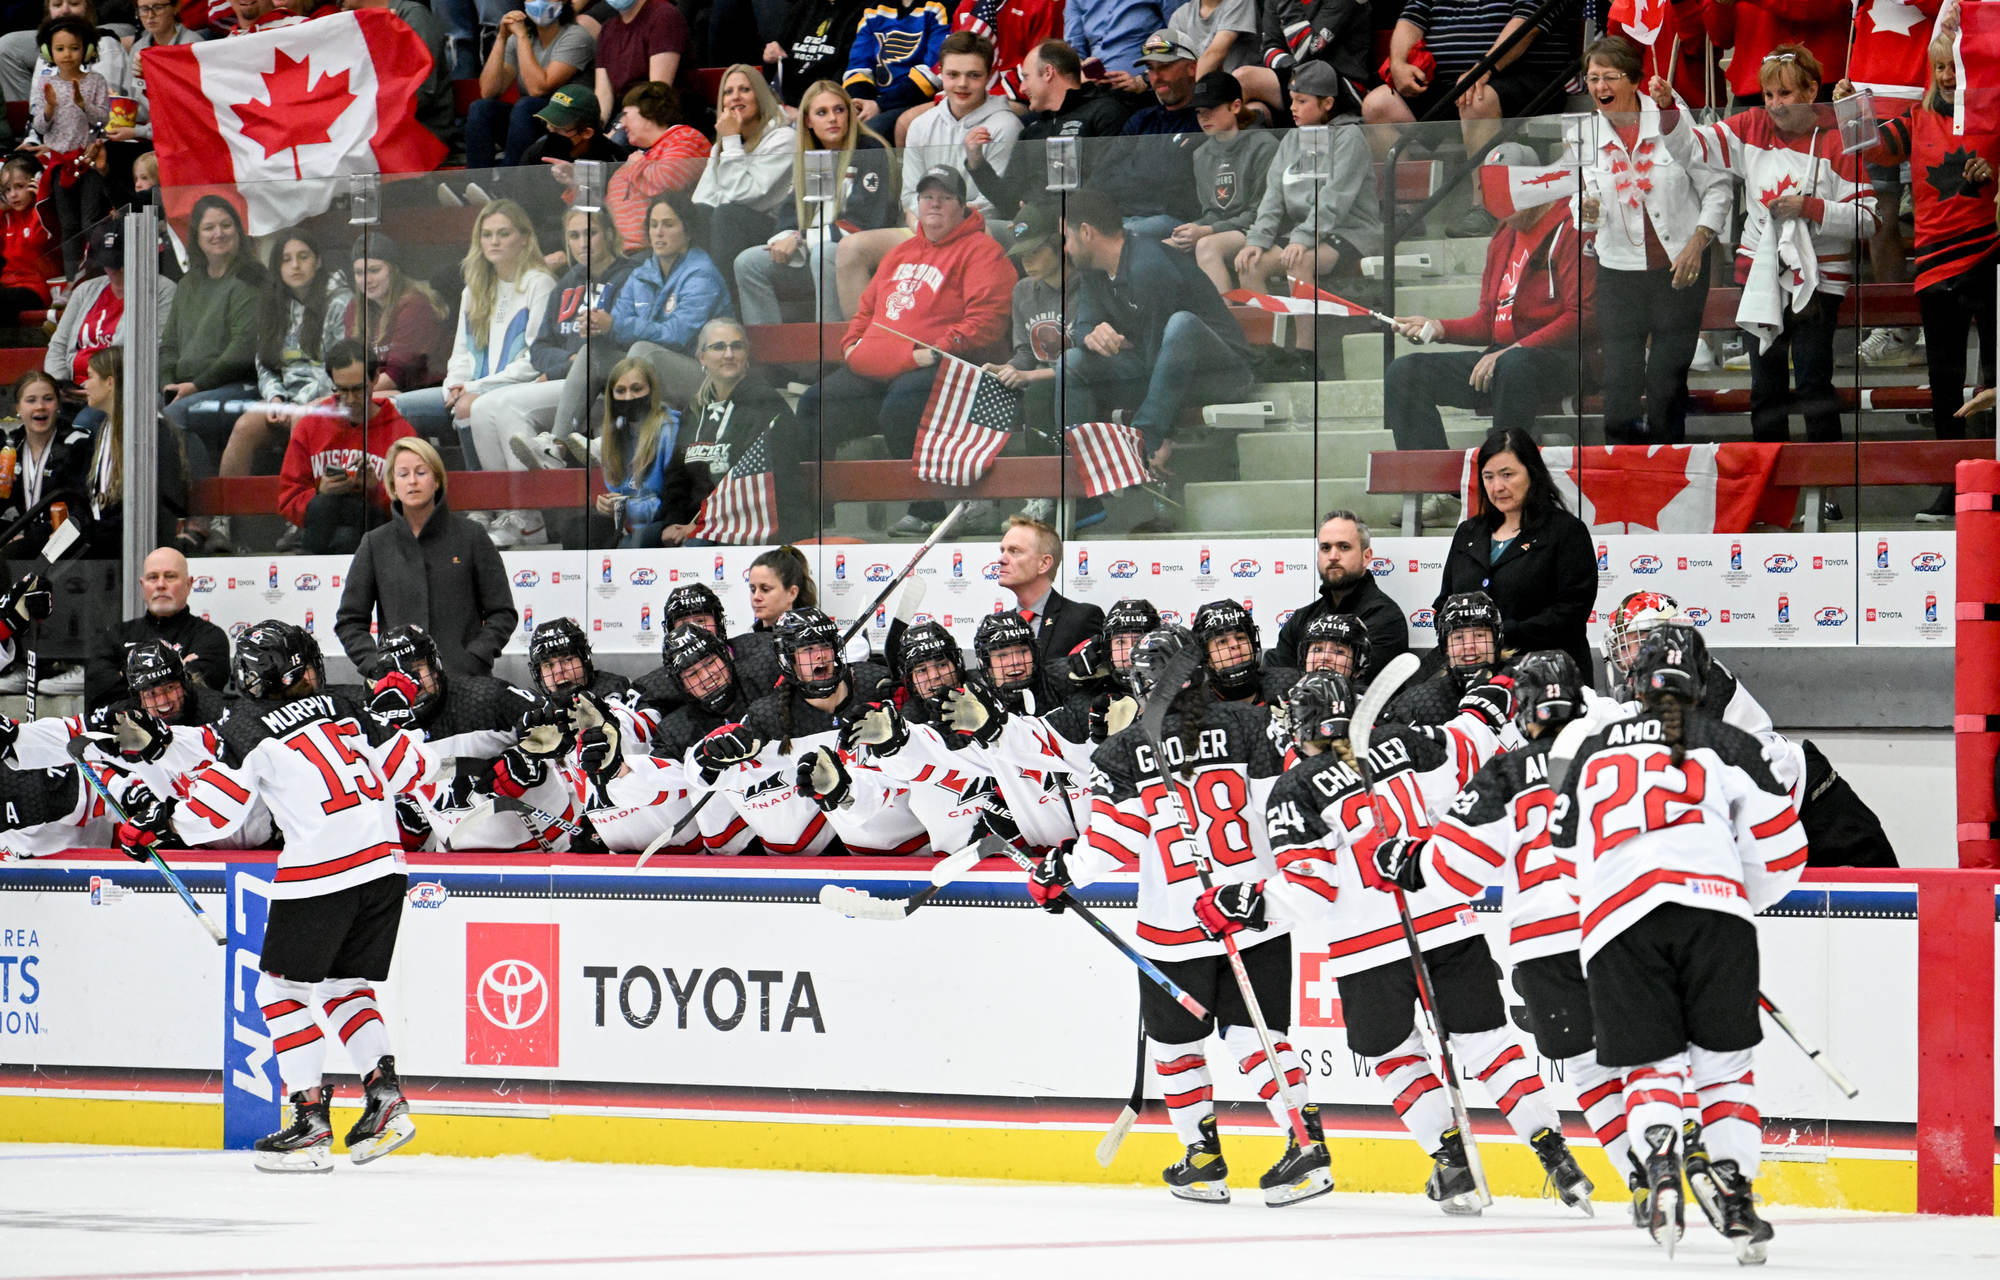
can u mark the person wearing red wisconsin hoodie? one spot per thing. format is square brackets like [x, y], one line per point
[1537, 298]
[949, 289]
[1752, 28]
[332, 474]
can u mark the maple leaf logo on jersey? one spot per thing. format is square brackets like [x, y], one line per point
[1948, 176]
[307, 114]
[1785, 184]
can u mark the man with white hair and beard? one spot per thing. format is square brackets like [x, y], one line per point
[1346, 586]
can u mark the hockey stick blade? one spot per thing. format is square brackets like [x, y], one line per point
[478, 813]
[1386, 684]
[1812, 1052]
[1107, 1146]
[857, 904]
[667, 837]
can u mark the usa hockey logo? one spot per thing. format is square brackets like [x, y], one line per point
[1423, 618]
[1169, 617]
[991, 572]
[1245, 569]
[306, 582]
[1780, 563]
[879, 573]
[1922, 562]
[1123, 569]
[1698, 615]
[202, 584]
[644, 577]
[1831, 616]
[238, 629]
[1286, 616]
[427, 895]
[1647, 564]
[527, 578]
[920, 619]
[1380, 566]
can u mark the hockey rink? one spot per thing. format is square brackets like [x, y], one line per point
[74, 1211]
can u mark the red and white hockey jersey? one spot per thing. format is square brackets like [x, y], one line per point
[1498, 830]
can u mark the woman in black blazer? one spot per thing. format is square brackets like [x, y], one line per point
[1526, 551]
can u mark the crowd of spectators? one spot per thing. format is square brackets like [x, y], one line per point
[619, 330]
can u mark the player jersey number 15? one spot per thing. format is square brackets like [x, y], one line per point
[1214, 802]
[350, 777]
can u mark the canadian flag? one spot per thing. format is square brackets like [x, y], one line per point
[1307, 299]
[1509, 188]
[276, 110]
[1696, 488]
[1644, 22]
[1976, 50]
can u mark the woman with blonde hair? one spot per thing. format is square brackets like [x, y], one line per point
[747, 176]
[507, 289]
[735, 414]
[638, 437]
[431, 567]
[864, 199]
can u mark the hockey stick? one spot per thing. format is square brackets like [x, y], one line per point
[1360, 731]
[77, 747]
[1089, 917]
[666, 838]
[1151, 720]
[514, 804]
[1833, 1073]
[1107, 1146]
[859, 904]
[59, 544]
[937, 535]
[477, 813]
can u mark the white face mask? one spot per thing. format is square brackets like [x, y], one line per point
[622, 6]
[543, 12]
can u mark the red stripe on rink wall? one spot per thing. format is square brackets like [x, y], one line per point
[1955, 1109]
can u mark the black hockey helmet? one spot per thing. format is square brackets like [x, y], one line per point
[1548, 691]
[1319, 707]
[923, 643]
[411, 650]
[694, 600]
[554, 640]
[1463, 611]
[1670, 663]
[1004, 630]
[687, 647]
[1158, 652]
[1213, 621]
[1124, 626]
[1342, 629]
[155, 664]
[272, 657]
[795, 632]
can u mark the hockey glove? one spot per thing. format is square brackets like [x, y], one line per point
[1090, 661]
[1049, 882]
[517, 770]
[1399, 862]
[141, 736]
[1112, 715]
[730, 744]
[974, 711]
[100, 722]
[585, 714]
[823, 776]
[413, 823]
[393, 700]
[544, 730]
[148, 825]
[10, 731]
[880, 726]
[1492, 701]
[996, 818]
[28, 600]
[598, 751]
[1228, 908]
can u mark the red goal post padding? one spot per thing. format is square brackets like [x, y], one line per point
[1976, 662]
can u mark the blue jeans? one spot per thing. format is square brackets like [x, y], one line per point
[1195, 366]
[489, 121]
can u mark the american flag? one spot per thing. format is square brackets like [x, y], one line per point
[967, 422]
[743, 509]
[1112, 457]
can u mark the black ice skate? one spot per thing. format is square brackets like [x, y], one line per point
[385, 1122]
[1663, 1185]
[1302, 1172]
[1200, 1174]
[303, 1146]
[1451, 1183]
[1701, 1182]
[1750, 1234]
[1642, 1209]
[1564, 1175]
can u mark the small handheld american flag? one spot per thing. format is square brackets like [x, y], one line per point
[743, 509]
[1111, 455]
[968, 420]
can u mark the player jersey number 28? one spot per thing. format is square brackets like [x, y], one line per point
[350, 777]
[1214, 802]
[1672, 796]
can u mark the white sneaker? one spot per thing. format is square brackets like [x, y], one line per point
[910, 527]
[484, 519]
[1440, 511]
[1887, 348]
[448, 198]
[1736, 354]
[62, 681]
[539, 453]
[1704, 359]
[582, 452]
[1042, 509]
[475, 192]
[519, 529]
[219, 543]
[15, 681]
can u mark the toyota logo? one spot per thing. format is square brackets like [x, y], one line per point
[513, 994]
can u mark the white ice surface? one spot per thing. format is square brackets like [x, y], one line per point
[99, 1212]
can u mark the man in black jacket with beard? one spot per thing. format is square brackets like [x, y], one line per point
[1060, 105]
[1346, 586]
[204, 647]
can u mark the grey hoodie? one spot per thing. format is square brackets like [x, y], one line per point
[1306, 211]
[1229, 176]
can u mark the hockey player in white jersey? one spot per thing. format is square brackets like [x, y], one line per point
[1323, 829]
[1680, 836]
[1224, 766]
[328, 772]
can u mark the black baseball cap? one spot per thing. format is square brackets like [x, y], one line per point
[1034, 227]
[943, 175]
[1216, 89]
[106, 250]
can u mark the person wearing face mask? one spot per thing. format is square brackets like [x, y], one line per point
[634, 444]
[736, 413]
[645, 42]
[540, 48]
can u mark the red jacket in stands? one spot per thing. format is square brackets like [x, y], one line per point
[26, 242]
[327, 438]
[1955, 231]
[1755, 27]
[956, 295]
[1538, 289]
[1892, 41]
[1015, 28]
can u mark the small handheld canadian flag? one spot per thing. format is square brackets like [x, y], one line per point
[1507, 189]
[275, 110]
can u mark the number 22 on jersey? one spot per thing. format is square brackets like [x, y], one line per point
[1647, 793]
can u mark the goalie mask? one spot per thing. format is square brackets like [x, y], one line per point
[1228, 636]
[411, 650]
[797, 637]
[272, 658]
[694, 601]
[561, 644]
[1669, 663]
[1159, 652]
[701, 665]
[1336, 642]
[929, 662]
[1125, 626]
[1005, 647]
[157, 677]
[1460, 620]
[1636, 614]
[1319, 709]
[1548, 692]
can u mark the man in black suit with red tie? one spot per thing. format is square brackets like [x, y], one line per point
[1029, 553]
